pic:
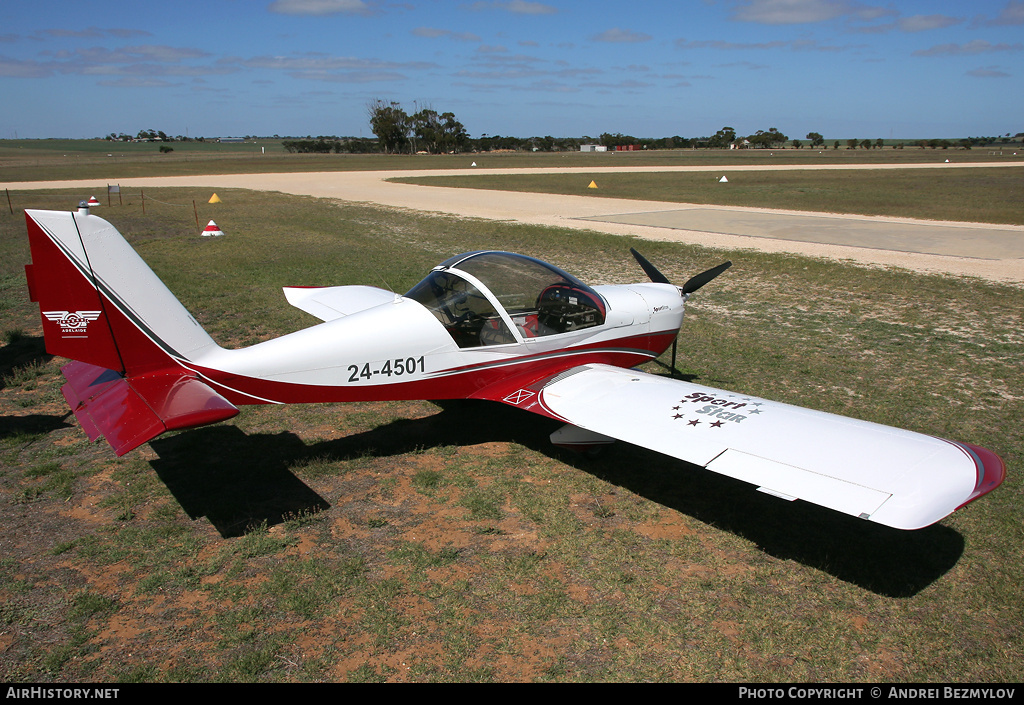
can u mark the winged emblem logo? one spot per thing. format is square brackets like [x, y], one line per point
[72, 321]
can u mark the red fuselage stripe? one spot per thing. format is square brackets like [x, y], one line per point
[455, 383]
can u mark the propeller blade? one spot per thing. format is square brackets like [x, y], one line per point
[704, 277]
[649, 269]
[688, 288]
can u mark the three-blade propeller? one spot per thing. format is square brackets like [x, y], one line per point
[692, 284]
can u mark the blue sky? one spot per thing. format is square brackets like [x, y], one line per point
[844, 68]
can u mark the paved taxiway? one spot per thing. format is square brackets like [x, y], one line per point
[994, 252]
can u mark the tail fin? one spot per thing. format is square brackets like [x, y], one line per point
[103, 307]
[100, 302]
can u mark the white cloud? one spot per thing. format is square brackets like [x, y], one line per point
[96, 33]
[795, 45]
[923, 23]
[136, 82]
[320, 7]
[988, 72]
[790, 11]
[15, 68]
[1009, 16]
[621, 35]
[435, 33]
[324, 62]
[519, 7]
[978, 46]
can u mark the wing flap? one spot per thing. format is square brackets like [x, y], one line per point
[891, 476]
[129, 411]
[789, 482]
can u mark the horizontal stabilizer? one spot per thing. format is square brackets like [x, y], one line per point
[129, 411]
[330, 302]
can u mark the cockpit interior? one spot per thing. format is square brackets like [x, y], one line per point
[478, 296]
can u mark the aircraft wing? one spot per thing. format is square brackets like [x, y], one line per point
[891, 476]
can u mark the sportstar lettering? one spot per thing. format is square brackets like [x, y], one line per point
[721, 413]
[699, 397]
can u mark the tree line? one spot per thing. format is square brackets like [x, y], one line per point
[427, 131]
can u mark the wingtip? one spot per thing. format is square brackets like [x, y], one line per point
[990, 467]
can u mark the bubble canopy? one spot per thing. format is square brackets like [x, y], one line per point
[480, 297]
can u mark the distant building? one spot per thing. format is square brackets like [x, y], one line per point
[231, 139]
[593, 148]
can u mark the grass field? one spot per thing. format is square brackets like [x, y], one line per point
[419, 542]
[33, 160]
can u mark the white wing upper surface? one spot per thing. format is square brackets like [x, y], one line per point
[891, 476]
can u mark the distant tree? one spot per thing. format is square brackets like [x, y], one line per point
[852, 144]
[438, 134]
[797, 144]
[322, 145]
[426, 130]
[766, 140]
[390, 123]
[816, 139]
[617, 140]
[722, 139]
[454, 137]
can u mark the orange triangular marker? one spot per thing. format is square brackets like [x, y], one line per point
[214, 199]
[592, 185]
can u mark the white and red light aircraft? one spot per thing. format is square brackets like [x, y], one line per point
[481, 325]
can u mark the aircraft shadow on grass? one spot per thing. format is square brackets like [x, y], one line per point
[240, 481]
[22, 352]
[26, 351]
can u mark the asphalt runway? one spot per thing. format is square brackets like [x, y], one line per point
[923, 238]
